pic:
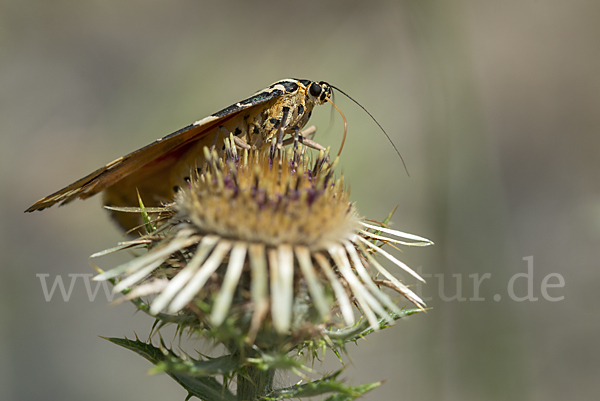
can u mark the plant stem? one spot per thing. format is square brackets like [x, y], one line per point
[255, 383]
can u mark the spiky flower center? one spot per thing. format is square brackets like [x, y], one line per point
[272, 201]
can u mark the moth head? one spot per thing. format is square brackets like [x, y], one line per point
[319, 92]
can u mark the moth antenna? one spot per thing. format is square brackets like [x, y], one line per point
[376, 122]
[331, 115]
[345, 126]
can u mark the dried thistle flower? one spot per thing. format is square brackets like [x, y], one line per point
[265, 253]
[262, 235]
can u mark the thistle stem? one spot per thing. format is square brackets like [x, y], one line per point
[255, 383]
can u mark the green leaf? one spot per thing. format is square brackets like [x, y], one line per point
[363, 328]
[384, 223]
[328, 384]
[360, 390]
[150, 228]
[221, 365]
[204, 387]
[278, 361]
[389, 216]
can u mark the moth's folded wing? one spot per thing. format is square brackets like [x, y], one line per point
[116, 170]
[151, 184]
[82, 188]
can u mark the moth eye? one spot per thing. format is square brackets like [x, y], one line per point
[315, 89]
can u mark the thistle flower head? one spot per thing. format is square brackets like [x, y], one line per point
[256, 199]
[266, 239]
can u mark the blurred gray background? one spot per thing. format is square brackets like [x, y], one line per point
[494, 106]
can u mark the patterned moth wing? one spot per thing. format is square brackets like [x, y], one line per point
[159, 169]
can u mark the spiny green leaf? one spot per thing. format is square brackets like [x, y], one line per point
[221, 365]
[328, 384]
[359, 390]
[278, 361]
[385, 221]
[150, 228]
[362, 328]
[203, 387]
[389, 216]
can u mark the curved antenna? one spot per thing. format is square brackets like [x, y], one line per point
[331, 115]
[376, 122]
[345, 125]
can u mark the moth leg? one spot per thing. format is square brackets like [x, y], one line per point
[296, 140]
[214, 141]
[305, 133]
[306, 137]
[312, 144]
[282, 128]
[309, 132]
[241, 143]
[278, 143]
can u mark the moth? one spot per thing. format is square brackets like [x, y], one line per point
[160, 169]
